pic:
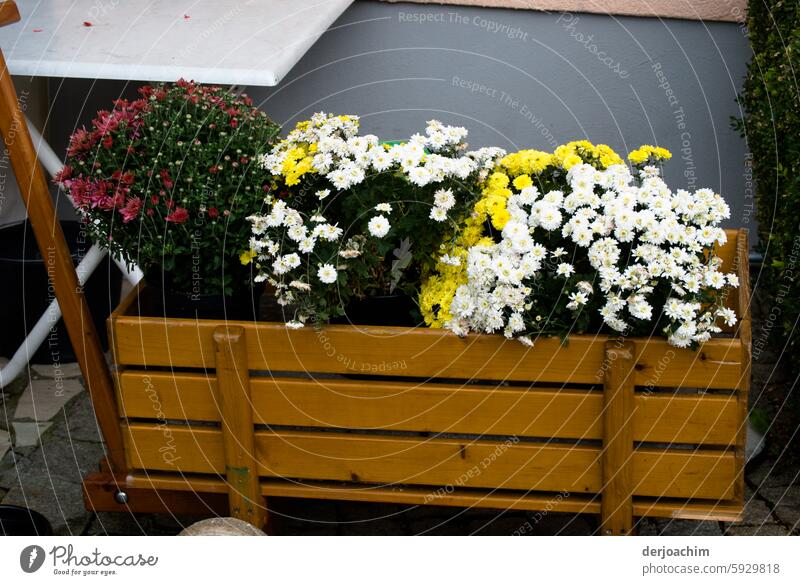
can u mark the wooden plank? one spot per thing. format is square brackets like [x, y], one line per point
[451, 408]
[99, 489]
[443, 462]
[233, 388]
[729, 253]
[617, 459]
[698, 419]
[9, 13]
[745, 335]
[723, 511]
[715, 365]
[506, 500]
[401, 460]
[164, 447]
[148, 394]
[677, 473]
[425, 353]
[341, 349]
[35, 192]
[464, 498]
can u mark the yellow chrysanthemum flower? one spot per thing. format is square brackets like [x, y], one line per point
[647, 152]
[247, 256]
[522, 182]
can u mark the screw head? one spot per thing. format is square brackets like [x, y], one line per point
[121, 497]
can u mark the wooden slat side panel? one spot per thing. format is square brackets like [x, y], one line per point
[466, 498]
[402, 406]
[660, 507]
[730, 263]
[745, 335]
[174, 448]
[425, 353]
[408, 406]
[435, 408]
[167, 395]
[401, 460]
[729, 250]
[716, 364]
[328, 456]
[688, 474]
[366, 350]
[395, 460]
[702, 419]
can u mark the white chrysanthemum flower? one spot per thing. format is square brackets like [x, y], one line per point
[420, 176]
[327, 273]
[306, 246]
[438, 214]
[297, 232]
[640, 308]
[323, 193]
[444, 198]
[294, 324]
[550, 218]
[715, 279]
[727, 315]
[565, 269]
[328, 232]
[577, 300]
[384, 207]
[379, 226]
[292, 260]
[450, 260]
[525, 340]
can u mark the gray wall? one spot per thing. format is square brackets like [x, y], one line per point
[518, 79]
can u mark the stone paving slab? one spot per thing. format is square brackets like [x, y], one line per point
[44, 398]
[5, 442]
[69, 370]
[28, 434]
[76, 422]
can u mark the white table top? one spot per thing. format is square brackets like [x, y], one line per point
[243, 42]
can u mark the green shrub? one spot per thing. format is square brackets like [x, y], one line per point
[771, 125]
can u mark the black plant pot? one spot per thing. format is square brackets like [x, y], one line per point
[242, 305]
[393, 310]
[25, 293]
[18, 521]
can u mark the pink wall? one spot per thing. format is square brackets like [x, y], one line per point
[724, 10]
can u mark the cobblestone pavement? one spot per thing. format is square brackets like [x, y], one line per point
[49, 439]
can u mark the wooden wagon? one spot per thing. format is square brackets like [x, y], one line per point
[214, 417]
[225, 414]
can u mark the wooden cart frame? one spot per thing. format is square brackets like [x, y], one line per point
[214, 417]
[225, 414]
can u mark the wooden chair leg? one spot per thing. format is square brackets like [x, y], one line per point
[618, 392]
[238, 435]
[50, 238]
